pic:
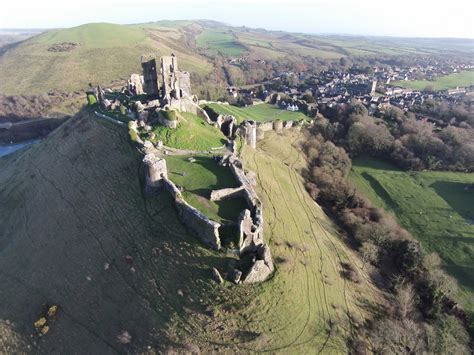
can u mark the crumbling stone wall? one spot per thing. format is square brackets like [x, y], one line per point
[251, 227]
[135, 84]
[278, 126]
[188, 105]
[176, 84]
[184, 81]
[206, 229]
[150, 76]
[217, 195]
[156, 175]
[248, 130]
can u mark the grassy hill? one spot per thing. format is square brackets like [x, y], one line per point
[109, 52]
[221, 42]
[76, 231]
[106, 52]
[436, 207]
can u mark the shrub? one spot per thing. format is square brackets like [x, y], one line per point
[168, 114]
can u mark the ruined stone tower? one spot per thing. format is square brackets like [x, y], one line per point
[250, 133]
[176, 84]
[155, 170]
[150, 76]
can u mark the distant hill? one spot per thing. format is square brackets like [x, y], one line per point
[69, 59]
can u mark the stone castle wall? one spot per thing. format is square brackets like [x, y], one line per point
[206, 229]
[156, 175]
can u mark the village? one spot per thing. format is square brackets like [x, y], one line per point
[375, 87]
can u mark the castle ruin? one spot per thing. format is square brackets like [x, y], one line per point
[176, 84]
[169, 85]
[150, 76]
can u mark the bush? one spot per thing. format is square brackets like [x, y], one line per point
[168, 114]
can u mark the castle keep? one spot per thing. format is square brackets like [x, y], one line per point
[175, 84]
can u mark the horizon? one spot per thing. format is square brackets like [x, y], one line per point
[342, 34]
[408, 19]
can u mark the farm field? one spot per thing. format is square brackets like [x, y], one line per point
[193, 133]
[221, 42]
[198, 179]
[436, 207]
[462, 79]
[259, 113]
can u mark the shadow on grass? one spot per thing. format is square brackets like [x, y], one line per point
[464, 275]
[458, 195]
[381, 192]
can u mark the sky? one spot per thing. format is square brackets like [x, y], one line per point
[408, 18]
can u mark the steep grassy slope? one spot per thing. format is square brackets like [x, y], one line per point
[76, 231]
[436, 207]
[311, 312]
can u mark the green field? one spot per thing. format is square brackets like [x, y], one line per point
[192, 133]
[436, 207]
[198, 180]
[462, 79]
[259, 113]
[109, 52]
[106, 53]
[220, 42]
[95, 35]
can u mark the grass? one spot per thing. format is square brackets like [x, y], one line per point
[462, 79]
[88, 176]
[259, 113]
[436, 207]
[95, 35]
[192, 133]
[311, 291]
[117, 261]
[221, 42]
[107, 53]
[198, 179]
